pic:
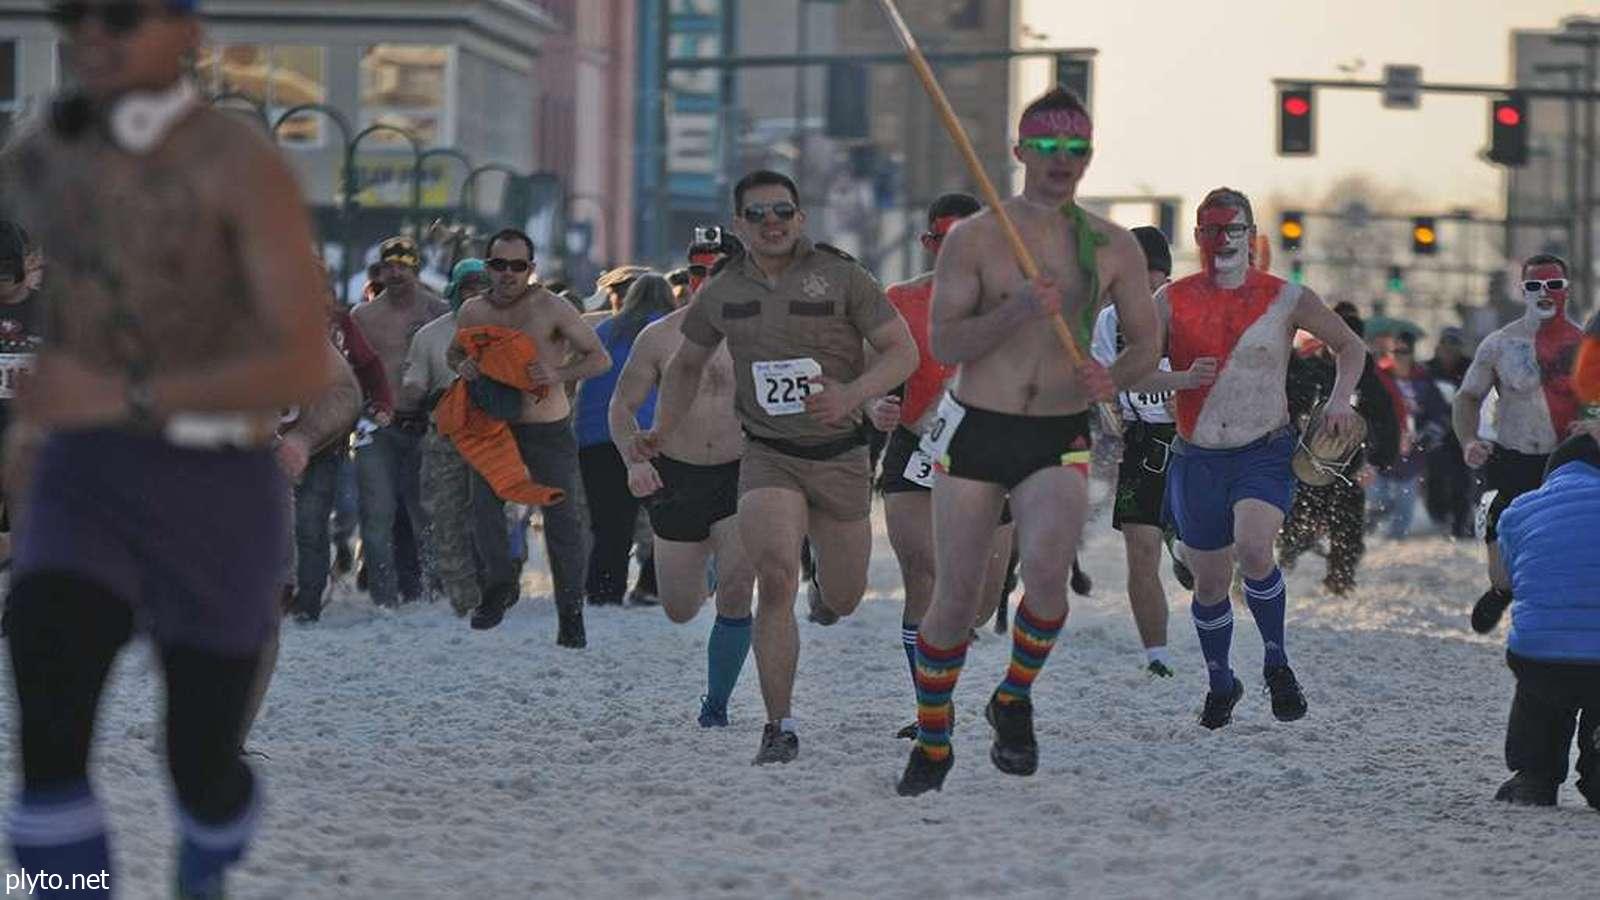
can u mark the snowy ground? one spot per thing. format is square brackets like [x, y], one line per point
[411, 758]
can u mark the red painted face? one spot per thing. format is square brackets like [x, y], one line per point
[934, 237]
[1544, 301]
[700, 268]
[1223, 237]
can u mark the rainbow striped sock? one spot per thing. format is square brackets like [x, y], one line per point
[1031, 640]
[937, 671]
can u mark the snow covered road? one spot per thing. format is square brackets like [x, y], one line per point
[413, 758]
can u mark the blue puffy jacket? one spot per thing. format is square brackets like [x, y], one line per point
[1548, 541]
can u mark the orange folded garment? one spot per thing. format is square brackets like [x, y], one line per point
[486, 443]
[1586, 374]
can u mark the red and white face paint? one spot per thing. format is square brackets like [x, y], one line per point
[1223, 237]
[1544, 303]
[700, 265]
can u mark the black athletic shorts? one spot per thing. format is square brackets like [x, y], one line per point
[896, 456]
[692, 499]
[1006, 449]
[1142, 476]
[1511, 474]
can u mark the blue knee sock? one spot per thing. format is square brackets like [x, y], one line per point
[1214, 624]
[1266, 599]
[62, 832]
[725, 652]
[208, 849]
[908, 640]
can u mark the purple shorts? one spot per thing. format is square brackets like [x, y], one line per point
[192, 540]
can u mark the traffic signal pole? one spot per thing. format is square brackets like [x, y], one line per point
[1583, 257]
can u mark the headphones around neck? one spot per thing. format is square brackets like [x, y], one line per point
[136, 122]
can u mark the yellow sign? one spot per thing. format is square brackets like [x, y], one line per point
[386, 181]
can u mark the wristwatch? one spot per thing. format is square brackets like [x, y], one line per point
[141, 402]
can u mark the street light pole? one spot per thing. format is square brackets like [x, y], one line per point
[347, 201]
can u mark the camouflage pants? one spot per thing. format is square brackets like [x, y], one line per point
[446, 501]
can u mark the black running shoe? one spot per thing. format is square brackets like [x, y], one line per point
[1288, 701]
[923, 774]
[1219, 707]
[306, 609]
[1490, 607]
[488, 614]
[1014, 750]
[569, 632]
[1525, 790]
[777, 746]
[1081, 583]
[820, 612]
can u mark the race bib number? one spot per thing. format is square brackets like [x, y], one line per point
[946, 419]
[782, 385]
[1150, 403]
[919, 469]
[12, 367]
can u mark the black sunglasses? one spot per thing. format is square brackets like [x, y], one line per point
[509, 265]
[119, 18]
[1549, 284]
[756, 213]
[698, 271]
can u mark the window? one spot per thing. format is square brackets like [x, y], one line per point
[8, 84]
[277, 77]
[407, 86]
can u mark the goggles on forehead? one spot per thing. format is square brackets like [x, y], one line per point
[1058, 146]
[1548, 284]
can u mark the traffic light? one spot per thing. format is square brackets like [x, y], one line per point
[1076, 74]
[1296, 122]
[1291, 228]
[1397, 279]
[1508, 130]
[1424, 236]
[1297, 272]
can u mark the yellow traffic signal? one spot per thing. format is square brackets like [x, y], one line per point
[1291, 228]
[1424, 236]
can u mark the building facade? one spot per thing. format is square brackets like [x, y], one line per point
[455, 75]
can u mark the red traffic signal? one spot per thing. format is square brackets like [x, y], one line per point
[1508, 130]
[1296, 122]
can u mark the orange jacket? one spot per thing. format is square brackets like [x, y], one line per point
[486, 443]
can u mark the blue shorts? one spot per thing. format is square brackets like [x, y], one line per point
[192, 540]
[1203, 485]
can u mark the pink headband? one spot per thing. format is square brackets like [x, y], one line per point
[1047, 122]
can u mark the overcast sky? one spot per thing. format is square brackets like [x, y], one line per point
[1184, 102]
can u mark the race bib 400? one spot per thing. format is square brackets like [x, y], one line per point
[782, 385]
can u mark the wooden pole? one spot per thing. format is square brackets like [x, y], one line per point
[991, 196]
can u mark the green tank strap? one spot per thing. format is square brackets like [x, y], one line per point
[1087, 241]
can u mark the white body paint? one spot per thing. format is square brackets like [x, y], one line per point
[1508, 361]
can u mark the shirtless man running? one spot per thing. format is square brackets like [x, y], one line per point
[1529, 363]
[1016, 422]
[184, 309]
[543, 432]
[691, 492]
[794, 315]
[1230, 484]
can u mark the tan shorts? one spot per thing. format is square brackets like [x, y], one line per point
[839, 488]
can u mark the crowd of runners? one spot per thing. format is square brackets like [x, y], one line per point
[187, 405]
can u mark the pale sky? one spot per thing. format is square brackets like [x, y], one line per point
[1184, 102]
